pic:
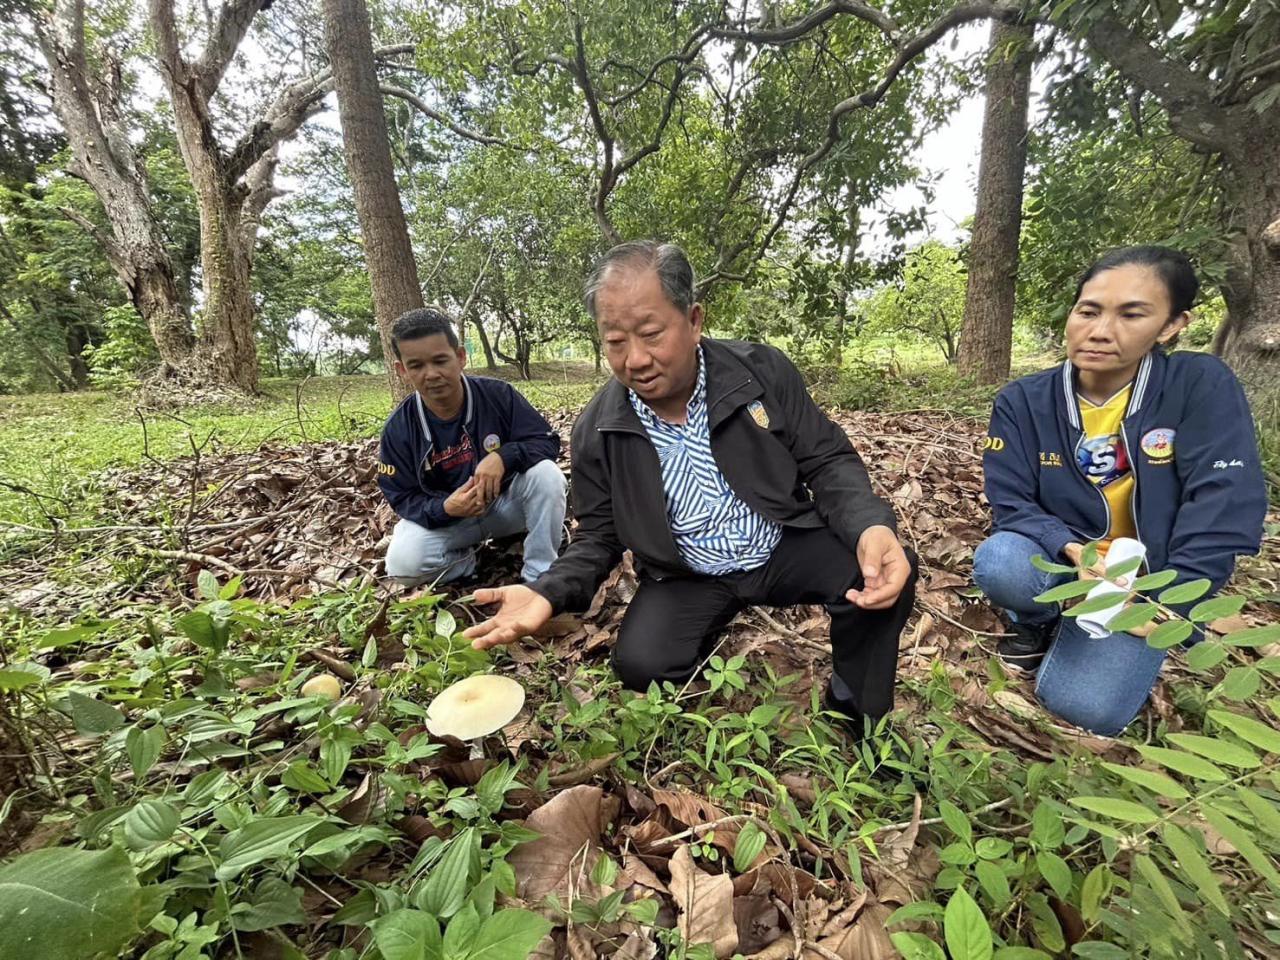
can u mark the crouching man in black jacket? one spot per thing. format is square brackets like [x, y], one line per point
[711, 463]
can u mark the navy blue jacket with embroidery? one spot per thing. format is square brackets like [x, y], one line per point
[1199, 497]
[496, 417]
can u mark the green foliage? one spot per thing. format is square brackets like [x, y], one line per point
[64, 904]
[928, 300]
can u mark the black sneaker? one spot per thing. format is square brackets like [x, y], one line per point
[1022, 649]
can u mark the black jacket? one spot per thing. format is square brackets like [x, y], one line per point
[497, 417]
[776, 449]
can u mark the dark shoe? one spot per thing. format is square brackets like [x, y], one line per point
[856, 724]
[888, 767]
[1024, 647]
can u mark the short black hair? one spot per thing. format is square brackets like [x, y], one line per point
[419, 323]
[1173, 267]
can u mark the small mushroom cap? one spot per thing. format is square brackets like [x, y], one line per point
[475, 707]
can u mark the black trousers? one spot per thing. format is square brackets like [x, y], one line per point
[671, 624]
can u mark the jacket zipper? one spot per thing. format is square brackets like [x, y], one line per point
[1133, 497]
[1106, 505]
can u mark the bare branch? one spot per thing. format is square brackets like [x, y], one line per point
[295, 105]
[411, 98]
[232, 24]
[168, 46]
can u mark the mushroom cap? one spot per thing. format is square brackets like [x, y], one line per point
[475, 707]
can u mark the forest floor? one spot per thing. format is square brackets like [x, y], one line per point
[193, 595]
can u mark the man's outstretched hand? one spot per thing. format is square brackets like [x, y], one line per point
[884, 568]
[521, 612]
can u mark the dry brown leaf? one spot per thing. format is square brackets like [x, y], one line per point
[637, 946]
[637, 871]
[704, 904]
[867, 939]
[758, 923]
[560, 860]
[1016, 704]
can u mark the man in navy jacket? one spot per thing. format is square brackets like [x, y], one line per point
[463, 460]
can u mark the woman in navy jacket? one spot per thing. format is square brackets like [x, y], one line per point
[1123, 439]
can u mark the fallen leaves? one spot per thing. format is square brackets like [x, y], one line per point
[704, 905]
[560, 861]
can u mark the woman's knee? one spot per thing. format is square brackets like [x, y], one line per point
[1098, 714]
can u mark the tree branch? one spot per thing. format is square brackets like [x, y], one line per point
[168, 46]
[582, 75]
[411, 98]
[792, 32]
[287, 113]
[108, 245]
[232, 24]
[1187, 97]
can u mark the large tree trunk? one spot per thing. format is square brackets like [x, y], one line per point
[1252, 338]
[102, 155]
[986, 337]
[228, 348]
[393, 273]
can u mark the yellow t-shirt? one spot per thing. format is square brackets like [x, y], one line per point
[1105, 462]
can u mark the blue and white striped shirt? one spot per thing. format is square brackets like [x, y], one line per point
[715, 532]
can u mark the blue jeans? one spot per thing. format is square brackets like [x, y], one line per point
[533, 502]
[1096, 684]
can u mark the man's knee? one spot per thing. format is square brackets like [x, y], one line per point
[545, 479]
[638, 661]
[413, 553]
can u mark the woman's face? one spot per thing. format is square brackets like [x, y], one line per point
[1121, 314]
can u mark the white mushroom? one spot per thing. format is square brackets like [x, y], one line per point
[475, 707]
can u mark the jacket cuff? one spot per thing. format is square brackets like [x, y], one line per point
[1054, 542]
[510, 454]
[436, 516]
[552, 589]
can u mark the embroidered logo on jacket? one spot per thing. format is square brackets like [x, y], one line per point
[758, 413]
[994, 444]
[1103, 459]
[1158, 443]
[386, 469]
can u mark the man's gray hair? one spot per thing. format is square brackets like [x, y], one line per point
[675, 273]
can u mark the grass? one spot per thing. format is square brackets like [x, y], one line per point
[53, 444]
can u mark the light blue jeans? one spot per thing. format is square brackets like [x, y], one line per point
[534, 502]
[1096, 684]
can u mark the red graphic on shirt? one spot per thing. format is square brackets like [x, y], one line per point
[451, 458]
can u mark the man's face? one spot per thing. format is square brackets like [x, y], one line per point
[651, 344]
[1122, 313]
[432, 367]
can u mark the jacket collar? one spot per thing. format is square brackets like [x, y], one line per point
[420, 406]
[729, 385]
[1146, 384]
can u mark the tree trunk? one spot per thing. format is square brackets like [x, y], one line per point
[1252, 339]
[490, 361]
[986, 337]
[393, 273]
[228, 347]
[102, 155]
[76, 338]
